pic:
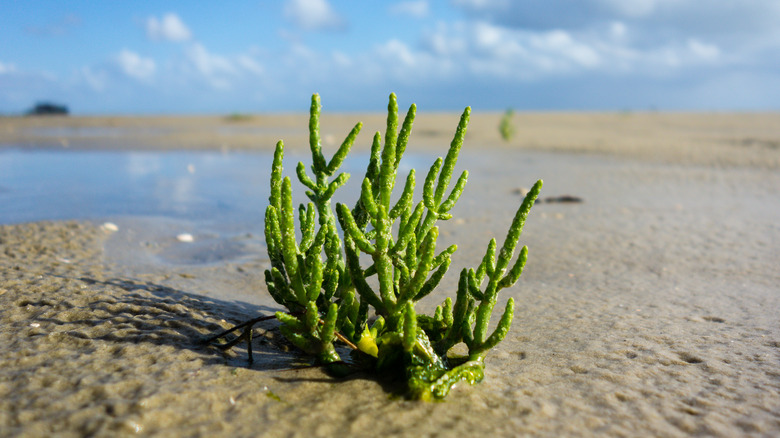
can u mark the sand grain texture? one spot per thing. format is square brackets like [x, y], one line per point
[648, 309]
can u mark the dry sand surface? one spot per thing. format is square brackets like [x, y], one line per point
[717, 139]
[651, 308]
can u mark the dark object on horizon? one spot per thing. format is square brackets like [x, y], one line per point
[48, 109]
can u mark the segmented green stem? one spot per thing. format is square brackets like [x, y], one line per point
[330, 298]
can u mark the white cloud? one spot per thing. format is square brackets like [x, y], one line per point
[488, 49]
[6, 68]
[250, 64]
[97, 80]
[655, 20]
[394, 61]
[341, 59]
[618, 30]
[488, 35]
[632, 8]
[313, 15]
[214, 68]
[561, 45]
[482, 4]
[414, 9]
[168, 28]
[60, 27]
[494, 51]
[702, 50]
[398, 50]
[207, 62]
[135, 66]
[223, 71]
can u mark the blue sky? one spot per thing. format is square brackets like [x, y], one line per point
[121, 57]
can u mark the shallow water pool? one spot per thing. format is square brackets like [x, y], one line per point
[204, 186]
[216, 196]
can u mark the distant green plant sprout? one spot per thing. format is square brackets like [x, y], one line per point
[505, 127]
[318, 277]
[238, 117]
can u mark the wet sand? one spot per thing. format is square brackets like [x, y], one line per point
[648, 309]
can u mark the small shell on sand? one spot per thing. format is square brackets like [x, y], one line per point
[185, 237]
[110, 226]
[522, 191]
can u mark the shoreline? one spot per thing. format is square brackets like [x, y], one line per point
[718, 139]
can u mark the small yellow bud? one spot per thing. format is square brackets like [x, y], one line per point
[367, 343]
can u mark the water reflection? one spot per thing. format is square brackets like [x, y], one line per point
[210, 187]
[139, 165]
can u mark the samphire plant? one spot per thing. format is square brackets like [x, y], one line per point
[505, 127]
[332, 298]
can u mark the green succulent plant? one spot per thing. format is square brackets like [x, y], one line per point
[505, 127]
[318, 277]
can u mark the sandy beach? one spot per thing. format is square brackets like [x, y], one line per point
[651, 307]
